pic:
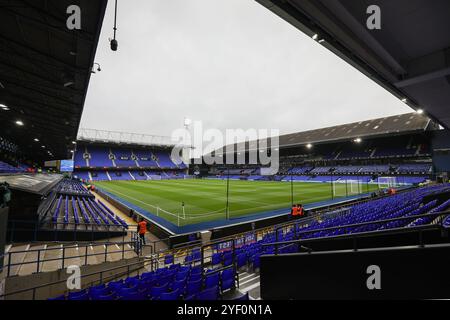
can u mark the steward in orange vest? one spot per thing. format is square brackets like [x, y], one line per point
[300, 211]
[142, 229]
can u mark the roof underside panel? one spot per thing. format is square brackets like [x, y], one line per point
[396, 125]
[409, 55]
[45, 71]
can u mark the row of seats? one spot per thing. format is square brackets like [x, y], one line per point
[79, 210]
[170, 283]
[408, 204]
[8, 168]
[121, 175]
[106, 157]
[72, 187]
[408, 168]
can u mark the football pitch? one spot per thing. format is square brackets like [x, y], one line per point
[206, 199]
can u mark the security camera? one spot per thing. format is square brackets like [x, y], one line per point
[114, 45]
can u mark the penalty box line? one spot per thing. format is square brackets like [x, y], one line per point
[148, 204]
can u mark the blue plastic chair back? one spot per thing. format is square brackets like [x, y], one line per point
[173, 295]
[212, 280]
[209, 294]
[193, 287]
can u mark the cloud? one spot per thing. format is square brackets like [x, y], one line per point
[231, 64]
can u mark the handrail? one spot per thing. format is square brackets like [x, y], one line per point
[65, 280]
[86, 255]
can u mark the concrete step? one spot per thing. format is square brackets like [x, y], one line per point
[7, 248]
[250, 282]
[116, 252]
[129, 252]
[16, 258]
[29, 265]
[72, 256]
[99, 252]
[53, 252]
[90, 259]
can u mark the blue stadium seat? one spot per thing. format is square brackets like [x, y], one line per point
[156, 292]
[173, 295]
[216, 259]
[193, 287]
[212, 280]
[209, 294]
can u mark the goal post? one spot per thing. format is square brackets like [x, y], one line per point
[387, 182]
[347, 187]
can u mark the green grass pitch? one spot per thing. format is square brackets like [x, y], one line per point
[206, 199]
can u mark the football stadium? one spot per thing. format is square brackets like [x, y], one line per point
[361, 207]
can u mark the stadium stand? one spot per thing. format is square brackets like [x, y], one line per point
[106, 162]
[184, 280]
[72, 206]
[7, 168]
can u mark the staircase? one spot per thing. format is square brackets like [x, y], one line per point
[249, 282]
[87, 159]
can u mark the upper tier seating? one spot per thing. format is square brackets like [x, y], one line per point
[7, 168]
[108, 157]
[299, 170]
[354, 154]
[321, 170]
[394, 152]
[123, 158]
[375, 169]
[145, 158]
[347, 169]
[163, 160]
[414, 168]
[78, 159]
[99, 157]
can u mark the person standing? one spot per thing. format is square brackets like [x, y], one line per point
[142, 230]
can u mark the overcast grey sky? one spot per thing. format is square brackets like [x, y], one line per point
[229, 63]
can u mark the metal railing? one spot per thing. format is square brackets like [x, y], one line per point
[104, 252]
[134, 267]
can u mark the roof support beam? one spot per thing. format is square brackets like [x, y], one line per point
[426, 68]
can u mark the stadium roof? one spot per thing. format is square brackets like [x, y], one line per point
[124, 138]
[400, 124]
[44, 72]
[409, 55]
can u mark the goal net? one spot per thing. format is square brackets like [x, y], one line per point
[343, 188]
[387, 182]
